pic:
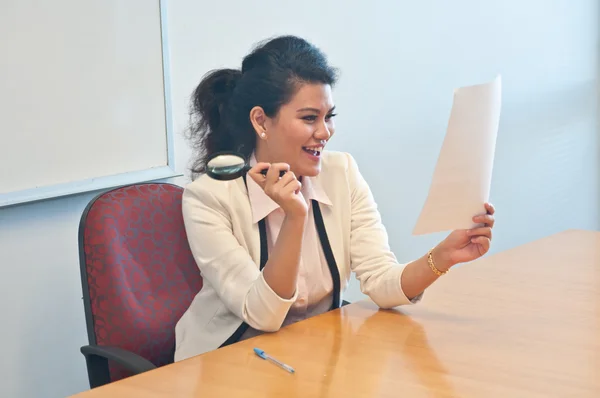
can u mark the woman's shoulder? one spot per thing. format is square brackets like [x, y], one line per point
[207, 189]
[336, 162]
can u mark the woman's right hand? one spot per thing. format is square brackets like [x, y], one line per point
[285, 191]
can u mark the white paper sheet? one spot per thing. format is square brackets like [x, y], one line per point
[463, 174]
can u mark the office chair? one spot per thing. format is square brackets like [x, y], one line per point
[138, 277]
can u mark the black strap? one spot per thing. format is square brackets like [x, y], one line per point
[264, 248]
[264, 256]
[333, 269]
[262, 231]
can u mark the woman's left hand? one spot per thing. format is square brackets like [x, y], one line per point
[466, 245]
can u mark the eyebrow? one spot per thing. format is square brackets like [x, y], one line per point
[314, 110]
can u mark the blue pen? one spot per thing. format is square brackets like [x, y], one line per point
[264, 355]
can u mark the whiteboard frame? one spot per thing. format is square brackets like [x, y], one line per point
[106, 182]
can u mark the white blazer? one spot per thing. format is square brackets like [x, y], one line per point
[226, 246]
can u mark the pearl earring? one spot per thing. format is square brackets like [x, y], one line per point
[263, 135]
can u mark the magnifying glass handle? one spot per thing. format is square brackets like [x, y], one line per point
[264, 172]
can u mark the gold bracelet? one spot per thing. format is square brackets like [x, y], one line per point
[432, 265]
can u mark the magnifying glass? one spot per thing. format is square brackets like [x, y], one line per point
[227, 166]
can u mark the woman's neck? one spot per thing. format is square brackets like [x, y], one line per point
[261, 156]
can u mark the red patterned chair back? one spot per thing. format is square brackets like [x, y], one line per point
[138, 273]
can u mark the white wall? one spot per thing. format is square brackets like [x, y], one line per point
[400, 62]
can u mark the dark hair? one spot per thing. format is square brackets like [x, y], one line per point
[270, 76]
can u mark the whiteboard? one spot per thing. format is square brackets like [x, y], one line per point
[84, 96]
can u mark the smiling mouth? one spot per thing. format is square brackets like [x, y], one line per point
[314, 151]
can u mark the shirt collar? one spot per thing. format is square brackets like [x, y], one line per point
[262, 205]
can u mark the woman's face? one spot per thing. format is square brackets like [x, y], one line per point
[298, 134]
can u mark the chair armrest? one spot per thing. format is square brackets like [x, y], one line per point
[129, 360]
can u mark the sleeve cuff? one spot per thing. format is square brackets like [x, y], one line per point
[416, 299]
[265, 310]
[270, 295]
[407, 300]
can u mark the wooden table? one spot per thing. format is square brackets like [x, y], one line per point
[522, 323]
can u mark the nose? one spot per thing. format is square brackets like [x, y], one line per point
[323, 133]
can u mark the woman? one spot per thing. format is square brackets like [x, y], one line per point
[273, 250]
